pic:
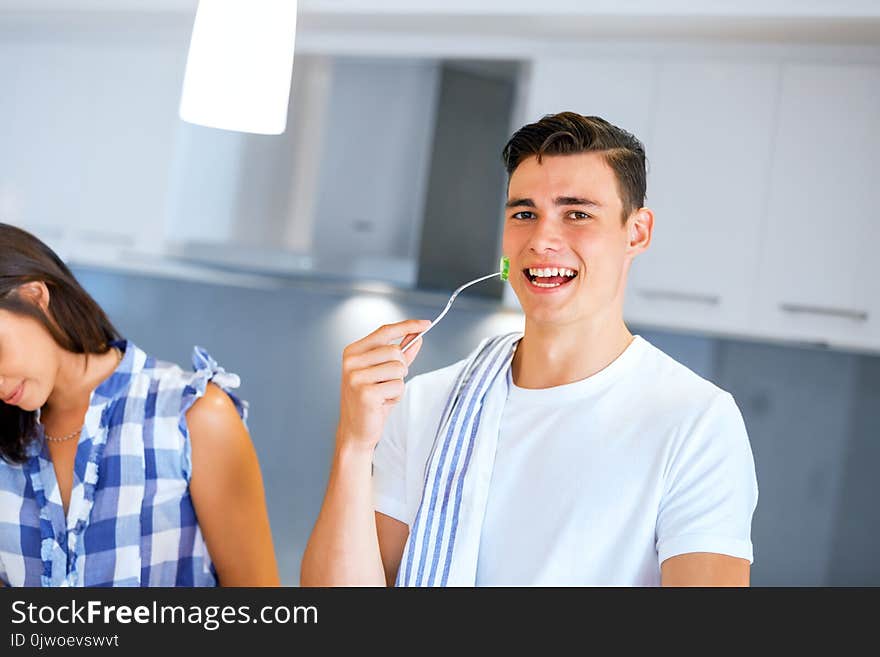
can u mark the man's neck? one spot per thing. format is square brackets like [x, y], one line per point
[553, 355]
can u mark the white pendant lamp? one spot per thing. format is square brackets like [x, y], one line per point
[239, 65]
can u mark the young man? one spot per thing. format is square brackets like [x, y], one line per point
[577, 455]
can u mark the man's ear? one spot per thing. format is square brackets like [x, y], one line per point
[36, 292]
[640, 230]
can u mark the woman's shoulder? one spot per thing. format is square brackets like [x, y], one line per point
[171, 372]
[175, 394]
[174, 390]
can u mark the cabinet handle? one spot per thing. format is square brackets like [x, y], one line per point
[119, 239]
[856, 315]
[671, 295]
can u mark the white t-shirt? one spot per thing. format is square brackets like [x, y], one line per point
[595, 482]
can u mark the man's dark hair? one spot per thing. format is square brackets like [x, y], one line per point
[569, 133]
[74, 320]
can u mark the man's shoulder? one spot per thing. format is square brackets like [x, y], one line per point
[675, 384]
[680, 407]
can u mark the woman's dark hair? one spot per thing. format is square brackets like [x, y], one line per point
[568, 133]
[74, 320]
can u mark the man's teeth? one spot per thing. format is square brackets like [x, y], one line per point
[548, 272]
[551, 271]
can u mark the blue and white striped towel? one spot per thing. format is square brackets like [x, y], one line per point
[444, 539]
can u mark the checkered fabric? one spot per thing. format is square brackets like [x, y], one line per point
[130, 520]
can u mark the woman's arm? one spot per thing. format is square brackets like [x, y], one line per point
[227, 493]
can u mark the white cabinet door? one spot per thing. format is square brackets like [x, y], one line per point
[708, 162]
[617, 89]
[819, 273]
[87, 128]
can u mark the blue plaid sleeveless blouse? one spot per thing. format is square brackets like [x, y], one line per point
[130, 520]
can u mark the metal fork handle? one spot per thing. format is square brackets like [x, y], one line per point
[448, 306]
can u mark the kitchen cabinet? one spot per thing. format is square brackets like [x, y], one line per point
[819, 272]
[709, 160]
[88, 131]
[618, 89]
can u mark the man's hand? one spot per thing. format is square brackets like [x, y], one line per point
[373, 371]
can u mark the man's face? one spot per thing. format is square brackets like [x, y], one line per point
[566, 213]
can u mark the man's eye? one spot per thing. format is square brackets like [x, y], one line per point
[578, 215]
[523, 215]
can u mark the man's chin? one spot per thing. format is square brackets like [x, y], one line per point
[536, 303]
[547, 313]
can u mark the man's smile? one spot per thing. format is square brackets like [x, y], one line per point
[548, 276]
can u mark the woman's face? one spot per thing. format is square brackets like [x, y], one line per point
[29, 361]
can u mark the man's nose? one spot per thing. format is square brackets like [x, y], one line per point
[546, 235]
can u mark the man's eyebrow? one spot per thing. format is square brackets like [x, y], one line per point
[559, 200]
[574, 200]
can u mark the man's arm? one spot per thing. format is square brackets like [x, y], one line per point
[352, 545]
[343, 549]
[392, 540]
[705, 569]
[704, 519]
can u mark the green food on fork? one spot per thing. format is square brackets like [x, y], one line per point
[504, 273]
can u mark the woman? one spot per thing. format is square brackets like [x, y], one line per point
[115, 469]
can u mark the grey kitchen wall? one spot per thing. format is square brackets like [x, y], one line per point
[464, 195]
[813, 415]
